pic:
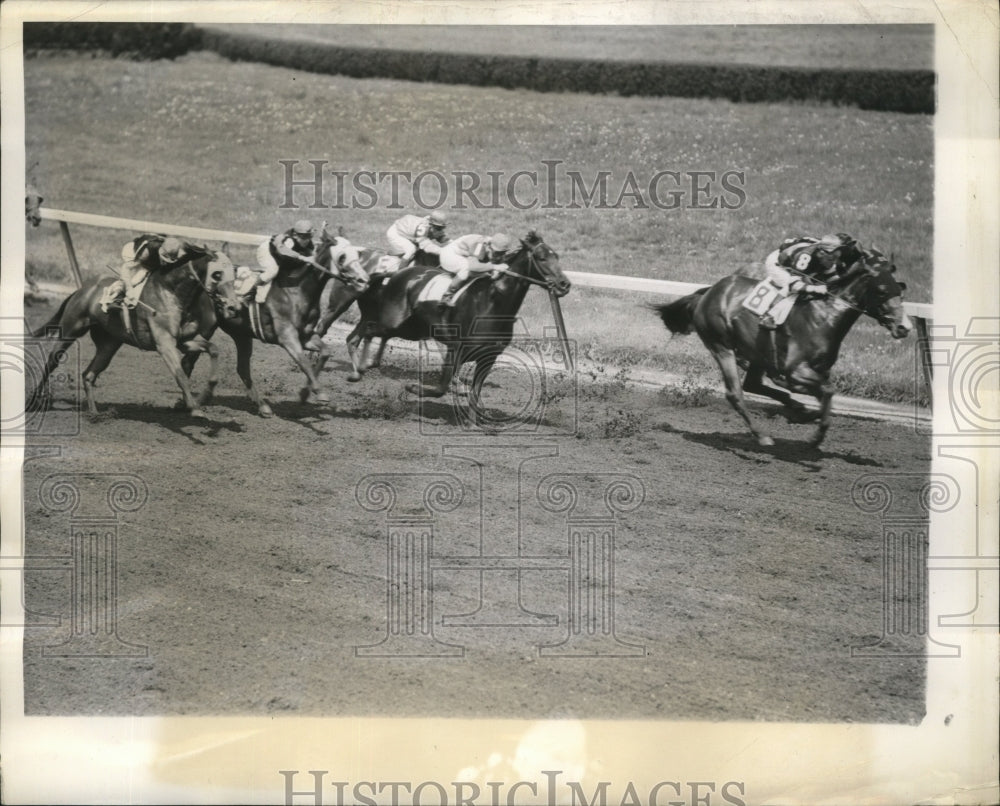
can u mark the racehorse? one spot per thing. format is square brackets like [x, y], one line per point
[32, 204]
[338, 297]
[288, 314]
[175, 316]
[477, 328]
[807, 348]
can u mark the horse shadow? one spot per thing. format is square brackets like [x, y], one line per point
[745, 447]
[307, 415]
[179, 421]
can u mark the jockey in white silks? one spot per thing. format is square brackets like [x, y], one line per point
[473, 253]
[411, 233]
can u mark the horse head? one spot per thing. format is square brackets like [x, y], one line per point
[872, 283]
[32, 206]
[216, 273]
[342, 258]
[543, 264]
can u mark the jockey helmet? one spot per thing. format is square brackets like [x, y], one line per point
[303, 227]
[437, 219]
[170, 250]
[501, 243]
[837, 241]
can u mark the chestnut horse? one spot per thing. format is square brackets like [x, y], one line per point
[807, 343]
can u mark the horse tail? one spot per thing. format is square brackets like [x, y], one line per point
[678, 315]
[53, 322]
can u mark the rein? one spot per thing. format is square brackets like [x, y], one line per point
[525, 278]
[847, 277]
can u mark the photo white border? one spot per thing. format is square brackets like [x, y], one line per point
[950, 757]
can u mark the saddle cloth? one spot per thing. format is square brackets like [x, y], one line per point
[387, 264]
[767, 298]
[435, 288]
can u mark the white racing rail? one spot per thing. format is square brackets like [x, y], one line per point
[921, 312]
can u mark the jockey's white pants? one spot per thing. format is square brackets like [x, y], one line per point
[398, 245]
[267, 262]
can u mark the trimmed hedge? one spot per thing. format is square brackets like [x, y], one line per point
[885, 90]
[136, 40]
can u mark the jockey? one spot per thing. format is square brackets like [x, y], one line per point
[411, 232]
[286, 250]
[797, 261]
[140, 256]
[473, 253]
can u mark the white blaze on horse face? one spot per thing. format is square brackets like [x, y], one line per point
[901, 324]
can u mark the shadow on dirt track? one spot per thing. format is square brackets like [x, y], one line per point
[744, 446]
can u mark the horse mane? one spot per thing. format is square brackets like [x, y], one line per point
[197, 250]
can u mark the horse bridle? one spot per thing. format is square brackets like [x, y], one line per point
[532, 260]
[337, 275]
[212, 295]
[851, 305]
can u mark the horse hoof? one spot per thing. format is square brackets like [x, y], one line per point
[303, 394]
[321, 397]
[414, 388]
[180, 405]
[354, 377]
[198, 414]
[265, 411]
[765, 442]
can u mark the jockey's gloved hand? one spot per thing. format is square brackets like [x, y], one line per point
[821, 290]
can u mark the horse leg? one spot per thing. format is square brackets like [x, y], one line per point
[483, 367]
[107, 345]
[726, 359]
[377, 362]
[166, 346]
[38, 397]
[754, 384]
[205, 346]
[288, 338]
[806, 380]
[448, 369]
[244, 350]
[353, 340]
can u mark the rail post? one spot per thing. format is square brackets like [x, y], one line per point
[71, 253]
[924, 346]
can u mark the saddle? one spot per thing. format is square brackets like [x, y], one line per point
[434, 289]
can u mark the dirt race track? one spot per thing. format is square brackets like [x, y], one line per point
[742, 576]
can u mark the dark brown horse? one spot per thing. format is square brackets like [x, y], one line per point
[288, 316]
[175, 317]
[479, 326]
[807, 344]
[337, 298]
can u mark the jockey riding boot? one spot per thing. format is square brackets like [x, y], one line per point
[448, 298]
[772, 346]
